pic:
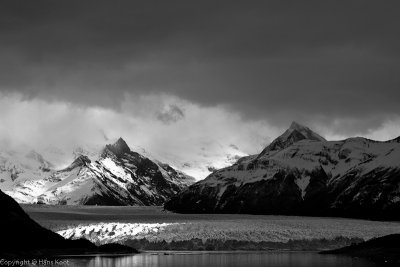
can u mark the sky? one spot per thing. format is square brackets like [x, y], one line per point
[196, 83]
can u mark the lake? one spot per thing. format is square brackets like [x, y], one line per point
[223, 259]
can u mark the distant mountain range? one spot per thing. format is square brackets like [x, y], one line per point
[301, 173]
[115, 175]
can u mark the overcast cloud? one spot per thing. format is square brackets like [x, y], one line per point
[201, 72]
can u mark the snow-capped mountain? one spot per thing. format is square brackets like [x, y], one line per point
[114, 175]
[300, 173]
[295, 133]
[17, 167]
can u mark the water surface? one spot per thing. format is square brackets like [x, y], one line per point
[225, 259]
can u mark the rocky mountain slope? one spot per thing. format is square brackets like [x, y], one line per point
[21, 236]
[115, 176]
[300, 173]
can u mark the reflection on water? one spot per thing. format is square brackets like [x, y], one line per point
[236, 259]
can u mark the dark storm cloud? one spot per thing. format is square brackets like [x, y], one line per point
[279, 60]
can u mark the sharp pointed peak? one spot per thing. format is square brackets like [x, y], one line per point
[296, 125]
[293, 134]
[303, 130]
[120, 141]
[307, 132]
[119, 147]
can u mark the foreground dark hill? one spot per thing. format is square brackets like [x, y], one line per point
[115, 176]
[20, 235]
[383, 250]
[301, 173]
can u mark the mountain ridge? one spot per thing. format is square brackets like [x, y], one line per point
[116, 176]
[304, 177]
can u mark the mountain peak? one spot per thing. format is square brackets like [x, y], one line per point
[120, 142]
[295, 133]
[119, 148]
[303, 130]
[80, 161]
[295, 125]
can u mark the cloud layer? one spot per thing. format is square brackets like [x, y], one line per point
[193, 80]
[317, 62]
[195, 139]
[189, 136]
